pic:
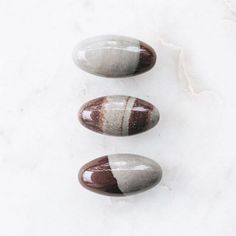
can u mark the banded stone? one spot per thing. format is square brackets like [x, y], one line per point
[114, 56]
[118, 115]
[120, 174]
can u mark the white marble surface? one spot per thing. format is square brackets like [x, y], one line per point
[42, 145]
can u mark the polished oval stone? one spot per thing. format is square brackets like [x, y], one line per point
[118, 115]
[114, 56]
[120, 174]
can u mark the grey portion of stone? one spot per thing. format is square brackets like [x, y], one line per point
[108, 55]
[134, 173]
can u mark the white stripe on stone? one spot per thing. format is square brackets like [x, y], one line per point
[127, 114]
[134, 173]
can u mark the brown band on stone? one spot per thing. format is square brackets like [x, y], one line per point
[97, 176]
[140, 121]
[147, 58]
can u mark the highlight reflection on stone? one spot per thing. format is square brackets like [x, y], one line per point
[114, 56]
[120, 174]
[118, 115]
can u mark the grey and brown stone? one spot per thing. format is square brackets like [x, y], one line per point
[118, 115]
[120, 174]
[114, 56]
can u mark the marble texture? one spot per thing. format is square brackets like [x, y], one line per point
[118, 115]
[42, 146]
[120, 174]
[114, 56]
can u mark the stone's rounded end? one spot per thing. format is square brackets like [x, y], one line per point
[90, 114]
[159, 174]
[120, 174]
[155, 117]
[147, 58]
[97, 177]
[114, 56]
[80, 176]
[144, 116]
[80, 115]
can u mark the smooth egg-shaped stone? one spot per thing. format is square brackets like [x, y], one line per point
[120, 174]
[114, 56]
[118, 115]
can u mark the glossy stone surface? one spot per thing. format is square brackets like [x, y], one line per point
[118, 115]
[120, 174]
[114, 56]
